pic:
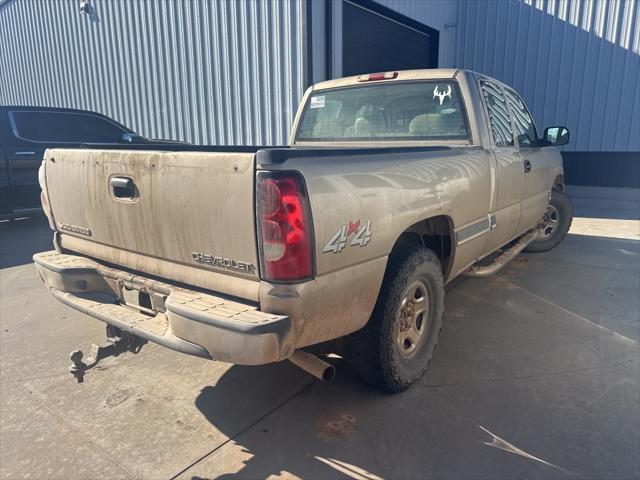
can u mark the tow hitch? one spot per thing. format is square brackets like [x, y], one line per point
[117, 342]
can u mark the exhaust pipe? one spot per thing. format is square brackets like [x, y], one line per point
[313, 365]
[505, 257]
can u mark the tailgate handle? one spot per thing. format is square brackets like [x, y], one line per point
[124, 188]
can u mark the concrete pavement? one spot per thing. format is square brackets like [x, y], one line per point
[536, 375]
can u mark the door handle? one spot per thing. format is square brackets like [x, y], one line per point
[123, 188]
[25, 153]
[527, 166]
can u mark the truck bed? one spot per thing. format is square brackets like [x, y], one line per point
[192, 217]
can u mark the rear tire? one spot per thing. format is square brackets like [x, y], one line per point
[558, 216]
[395, 347]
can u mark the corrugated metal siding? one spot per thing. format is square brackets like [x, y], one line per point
[208, 72]
[576, 62]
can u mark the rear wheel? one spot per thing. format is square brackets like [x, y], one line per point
[394, 349]
[557, 221]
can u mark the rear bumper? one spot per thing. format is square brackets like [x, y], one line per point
[188, 321]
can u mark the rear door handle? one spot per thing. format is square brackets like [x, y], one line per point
[123, 188]
[527, 166]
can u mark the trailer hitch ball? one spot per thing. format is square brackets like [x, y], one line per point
[77, 366]
[117, 342]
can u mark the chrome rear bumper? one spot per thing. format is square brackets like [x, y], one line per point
[189, 321]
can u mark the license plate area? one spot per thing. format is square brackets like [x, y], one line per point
[140, 298]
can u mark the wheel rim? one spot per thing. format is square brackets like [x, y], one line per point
[412, 319]
[551, 221]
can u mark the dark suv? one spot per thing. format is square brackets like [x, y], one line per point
[26, 132]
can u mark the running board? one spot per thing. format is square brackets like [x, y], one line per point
[505, 257]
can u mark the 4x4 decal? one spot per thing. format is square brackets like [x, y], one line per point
[339, 240]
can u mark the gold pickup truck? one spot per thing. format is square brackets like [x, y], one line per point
[393, 184]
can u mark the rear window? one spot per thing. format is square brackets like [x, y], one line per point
[65, 127]
[428, 110]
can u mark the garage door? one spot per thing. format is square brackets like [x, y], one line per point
[376, 39]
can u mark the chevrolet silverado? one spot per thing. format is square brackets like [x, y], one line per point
[393, 185]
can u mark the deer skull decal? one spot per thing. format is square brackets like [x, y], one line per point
[441, 95]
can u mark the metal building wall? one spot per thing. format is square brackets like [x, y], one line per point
[208, 72]
[576, 63]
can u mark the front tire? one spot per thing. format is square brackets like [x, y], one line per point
[558, 218]
[395, 347]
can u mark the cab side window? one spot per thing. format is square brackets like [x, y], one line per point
[525, 128]
[498, 114]
[70, 127]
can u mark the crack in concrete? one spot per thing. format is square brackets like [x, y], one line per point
[583, 265]
[243, 430]
[535, 375]
[569, 312]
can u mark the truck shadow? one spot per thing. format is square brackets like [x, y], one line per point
[20, 239]
[297, 437]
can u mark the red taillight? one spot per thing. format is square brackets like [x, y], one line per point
[284, 227]
[370, 77]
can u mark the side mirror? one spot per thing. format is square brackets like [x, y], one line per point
[556, 136]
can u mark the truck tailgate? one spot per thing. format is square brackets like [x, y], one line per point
[181, 214]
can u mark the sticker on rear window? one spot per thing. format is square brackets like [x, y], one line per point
[441, 93]
[317, 102]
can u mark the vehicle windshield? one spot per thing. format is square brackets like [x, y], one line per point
[412, 111]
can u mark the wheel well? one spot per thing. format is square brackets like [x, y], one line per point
[435, 233]
[558, 183]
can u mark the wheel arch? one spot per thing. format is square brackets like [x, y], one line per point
[436, 233]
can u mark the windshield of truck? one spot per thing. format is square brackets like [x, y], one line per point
[412, 111]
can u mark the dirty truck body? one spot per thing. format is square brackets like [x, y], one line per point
[245, 255]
